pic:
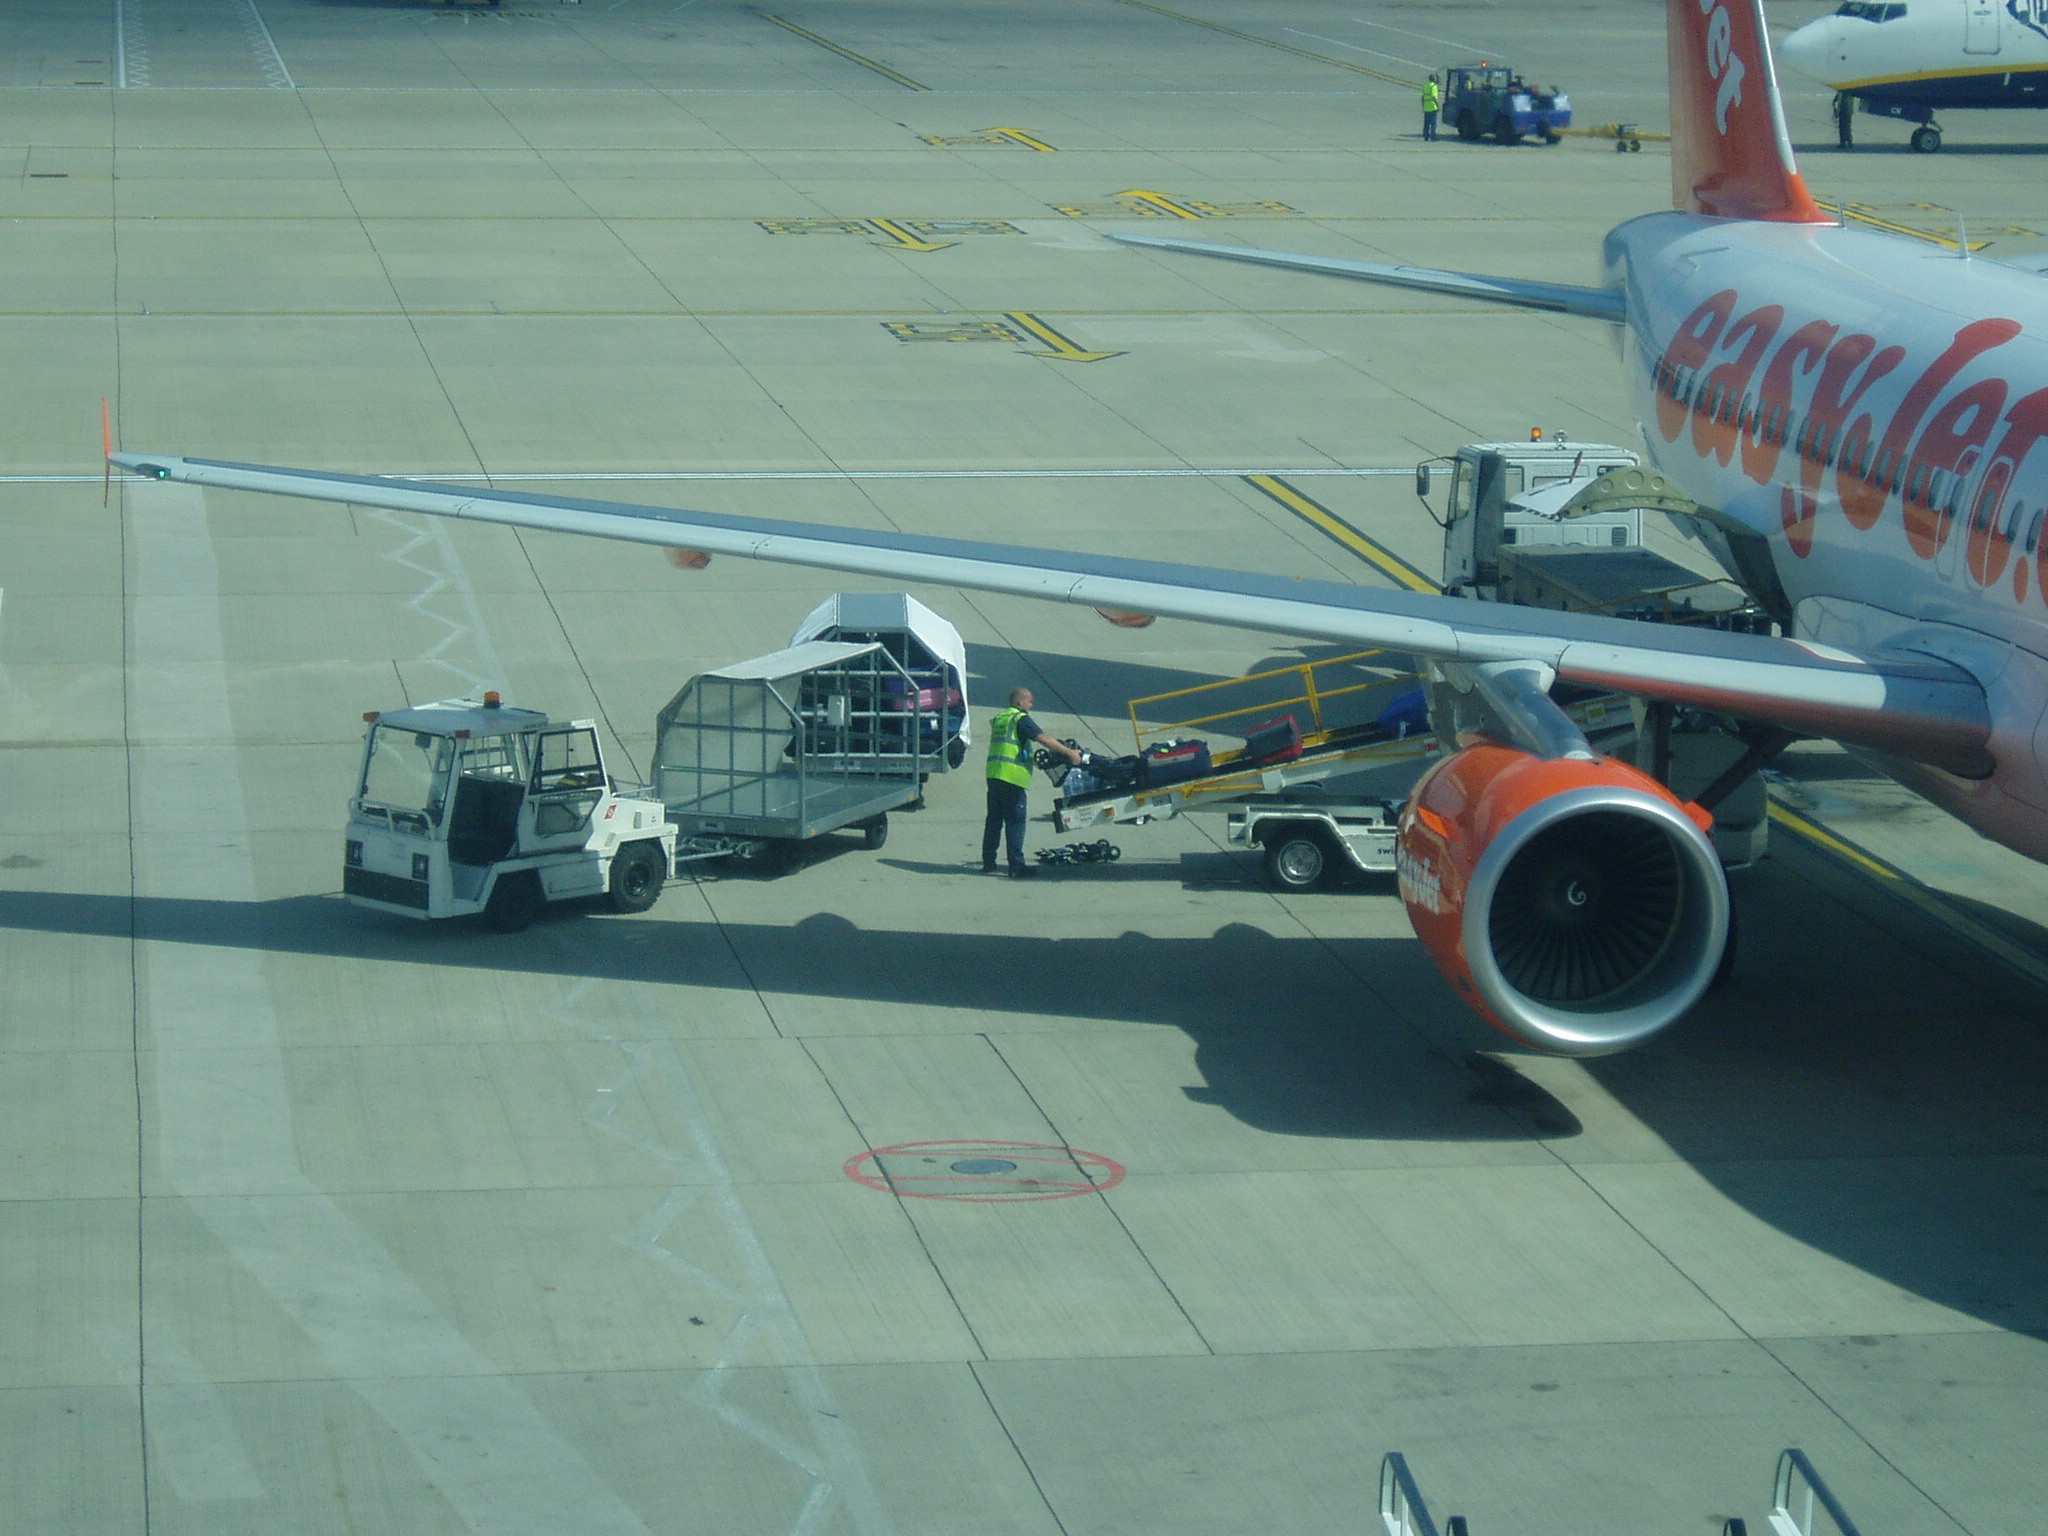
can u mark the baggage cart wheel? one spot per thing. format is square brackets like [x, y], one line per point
[516, 900]
[637, 877]
[1552, 136]
[1504, 130]
[1297, 860]
[875, 830]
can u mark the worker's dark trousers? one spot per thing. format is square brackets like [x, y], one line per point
[1429, 126]
[1007, 804]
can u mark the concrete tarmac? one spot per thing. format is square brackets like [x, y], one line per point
[316, 1220]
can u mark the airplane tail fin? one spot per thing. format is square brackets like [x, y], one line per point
[1730, 155]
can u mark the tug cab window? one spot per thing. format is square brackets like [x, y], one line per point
[568, 760]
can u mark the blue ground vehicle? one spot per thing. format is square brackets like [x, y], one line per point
[1483, 100]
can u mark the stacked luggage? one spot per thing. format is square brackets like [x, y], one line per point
[1159, 765]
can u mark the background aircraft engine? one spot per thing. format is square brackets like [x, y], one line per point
[1574, 902]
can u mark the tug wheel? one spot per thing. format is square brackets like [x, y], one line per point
[637, 877]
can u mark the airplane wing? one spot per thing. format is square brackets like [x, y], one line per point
[1564, 298]
[1907, 704]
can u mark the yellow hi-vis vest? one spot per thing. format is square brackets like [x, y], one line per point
[1006, 759]
[1430, 99]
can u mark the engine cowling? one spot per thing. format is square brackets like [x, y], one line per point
[1575, 903]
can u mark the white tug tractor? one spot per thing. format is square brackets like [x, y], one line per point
[467, 808]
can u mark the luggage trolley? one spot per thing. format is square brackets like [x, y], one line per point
[754, 760]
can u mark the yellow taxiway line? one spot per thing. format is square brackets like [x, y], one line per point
[1382, 559]
[1267, 42]
[1924, 899]
[845, 53]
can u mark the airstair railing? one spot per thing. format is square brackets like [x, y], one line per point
[1402, 1510]
[1803, 1505]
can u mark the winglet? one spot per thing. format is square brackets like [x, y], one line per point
[1730, 155]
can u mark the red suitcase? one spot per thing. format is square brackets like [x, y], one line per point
[1277, 741]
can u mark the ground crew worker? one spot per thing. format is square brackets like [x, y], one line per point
[1432, 99]
[1010, 736]
[1845, 113]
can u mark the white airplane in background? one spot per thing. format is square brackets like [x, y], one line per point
[1906, 58]
[1864, 419]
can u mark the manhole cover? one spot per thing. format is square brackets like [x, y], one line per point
[984, 1170]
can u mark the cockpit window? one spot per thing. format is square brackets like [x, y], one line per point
[1871, 10]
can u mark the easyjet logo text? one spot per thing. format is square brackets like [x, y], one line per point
[1798, 406]
[1724, 65]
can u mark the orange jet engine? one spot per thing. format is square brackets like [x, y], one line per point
[1573, 901]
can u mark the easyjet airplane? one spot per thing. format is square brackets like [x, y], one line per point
[1862, 419]
[1907, 58]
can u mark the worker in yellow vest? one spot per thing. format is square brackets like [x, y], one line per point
[1432, 99]
[1010, 738]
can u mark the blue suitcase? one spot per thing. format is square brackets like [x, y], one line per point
[1174, 763]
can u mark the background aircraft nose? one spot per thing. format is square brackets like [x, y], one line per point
[1811, 49]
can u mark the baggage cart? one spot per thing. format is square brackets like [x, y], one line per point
[754, 760]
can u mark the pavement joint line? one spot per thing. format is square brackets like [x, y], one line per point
[1928, 900]
[1267, 42]
[1367, 548]
[845, 53]
[472, 476]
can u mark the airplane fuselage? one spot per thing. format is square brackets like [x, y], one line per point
[1873, 416]
[1929, 53]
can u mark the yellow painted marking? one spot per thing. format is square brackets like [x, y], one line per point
[1929, 74]
[1922, 898]
[905, 240]
[1613, 131]
[1160, 201]
[1863, 216]
[1389, 564]
[1019, 136]
[950, 330]
[1065, 348]
[845, 53]
[1267, 42]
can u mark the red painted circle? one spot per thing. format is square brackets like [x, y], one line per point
[933, 1170]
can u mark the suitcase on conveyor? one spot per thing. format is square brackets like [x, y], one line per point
[1173, 763]
[1277, 741]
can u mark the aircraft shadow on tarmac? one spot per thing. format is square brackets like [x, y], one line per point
[1857, 1092]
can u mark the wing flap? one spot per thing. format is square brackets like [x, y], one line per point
[1913, 706]
[1561, 298]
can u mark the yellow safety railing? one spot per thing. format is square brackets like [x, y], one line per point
[1313, 696]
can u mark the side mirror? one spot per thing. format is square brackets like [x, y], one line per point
[1422, 481]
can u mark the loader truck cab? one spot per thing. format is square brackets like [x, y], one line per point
[468, 808]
